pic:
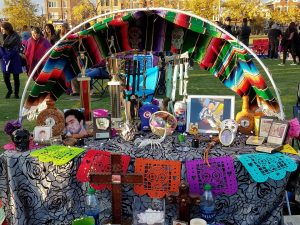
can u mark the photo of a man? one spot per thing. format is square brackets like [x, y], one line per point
[75, 123]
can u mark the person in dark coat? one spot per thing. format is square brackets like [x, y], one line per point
[245, 32]
[10, 58]
[274, 36]
[227, 26]
[289, 43]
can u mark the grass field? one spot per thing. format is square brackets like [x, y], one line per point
[201, 82]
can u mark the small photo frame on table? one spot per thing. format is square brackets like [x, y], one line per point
[208, 111]
[265, 125]
[101, 124]
[42, 133]
[278, 132]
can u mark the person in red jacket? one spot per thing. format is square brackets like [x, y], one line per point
[35, 49]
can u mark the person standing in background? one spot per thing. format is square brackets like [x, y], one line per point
[25, 35]
[245, 32]
[289, 43]
[274, 35]
[227, 25]
[50, 34]
[64, 29]
[10, 58]
[36, 47]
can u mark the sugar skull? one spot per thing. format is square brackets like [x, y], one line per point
[177, 38]
[229, 124]
[21, 139]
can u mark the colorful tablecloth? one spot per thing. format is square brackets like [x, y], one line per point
[38, 193]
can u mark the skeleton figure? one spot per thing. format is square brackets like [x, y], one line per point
[135, 37]
[21, 139]
[177, 38]
[156, 143]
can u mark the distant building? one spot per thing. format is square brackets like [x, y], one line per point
[106, 6]
[60, 11]
[282, 5]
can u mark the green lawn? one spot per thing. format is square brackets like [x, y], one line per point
[201, 82]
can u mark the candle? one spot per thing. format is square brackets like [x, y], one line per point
[197, 221]
[256, 125]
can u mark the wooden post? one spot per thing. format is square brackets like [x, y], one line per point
[116, 178]
[184, 199]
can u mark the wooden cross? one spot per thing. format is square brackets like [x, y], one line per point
[184, 199]
[116, 178]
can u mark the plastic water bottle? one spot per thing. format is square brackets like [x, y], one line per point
[92, 207]
[207, 205]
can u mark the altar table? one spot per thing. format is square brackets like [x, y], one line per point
[37, 193]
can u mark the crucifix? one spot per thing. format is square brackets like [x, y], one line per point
[116, 178]
[184, 199]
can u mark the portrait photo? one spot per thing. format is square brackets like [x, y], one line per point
[208, 111]
[42, 133]
[74, 122]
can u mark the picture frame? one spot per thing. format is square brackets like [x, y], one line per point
[226, 137]
[42, 134]
[208, 111]
[102, 125]
[265, 125]
[278, 132]
[75, 122]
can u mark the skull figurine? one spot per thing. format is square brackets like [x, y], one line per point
[229, 124]
[21, 139]
[177, 38]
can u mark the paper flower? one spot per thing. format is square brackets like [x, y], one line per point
[11, 126]
[294, 128]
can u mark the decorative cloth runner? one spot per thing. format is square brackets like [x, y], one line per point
[57, 154]
[161, 177]
[220, 174]
[262, 166]
[98, 161]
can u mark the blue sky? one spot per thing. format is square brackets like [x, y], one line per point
[41, 3]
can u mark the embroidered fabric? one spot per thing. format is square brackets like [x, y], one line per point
[57, 154]
[161, 177]
[98, 161]
[220, 174]
[262, 166]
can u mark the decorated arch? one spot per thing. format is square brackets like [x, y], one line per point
[153, 31]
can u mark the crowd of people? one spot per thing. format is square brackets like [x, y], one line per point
[285, 41]
[21, 52]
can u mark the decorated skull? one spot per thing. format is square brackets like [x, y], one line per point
[177, 38]
[21, 139]
[229, 124]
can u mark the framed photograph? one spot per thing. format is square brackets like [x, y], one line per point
[226, 137]
[42, 133]
[75, 122]
[102, 126]
[265, 125]
[278, 132]
[208, 111]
